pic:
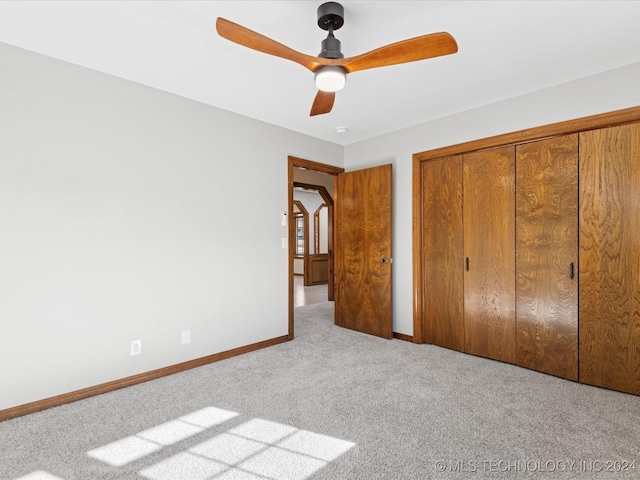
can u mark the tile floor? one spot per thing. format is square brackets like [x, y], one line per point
[307, 295]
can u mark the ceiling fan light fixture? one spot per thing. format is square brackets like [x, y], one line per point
[330, 78]
[330, 66]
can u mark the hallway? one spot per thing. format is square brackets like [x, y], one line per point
[307, 295]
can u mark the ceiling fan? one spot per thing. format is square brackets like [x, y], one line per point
[330, 67]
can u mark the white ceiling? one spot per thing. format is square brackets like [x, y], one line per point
[506, 49]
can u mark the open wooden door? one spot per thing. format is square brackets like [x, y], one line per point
[362, 259]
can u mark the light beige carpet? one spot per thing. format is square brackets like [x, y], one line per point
[335, 404]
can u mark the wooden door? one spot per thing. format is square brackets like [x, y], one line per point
[489, 236]
[362, 260]
[547, 256]
[609, 213]
[442, 253]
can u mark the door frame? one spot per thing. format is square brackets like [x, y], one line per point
[292, 163]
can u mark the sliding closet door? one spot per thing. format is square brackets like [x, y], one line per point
[442, 262]
[610, 258]
[547, 255]
[489, 286]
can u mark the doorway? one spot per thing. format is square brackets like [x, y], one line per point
[306, 174]
[314, 239]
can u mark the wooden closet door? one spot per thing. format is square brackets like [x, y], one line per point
[442, 281]
[546, 256]
[489, 224]
[610, 258]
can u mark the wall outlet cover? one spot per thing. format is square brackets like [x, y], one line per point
[136, 347]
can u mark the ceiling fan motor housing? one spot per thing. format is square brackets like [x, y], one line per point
[331, 48]
[330, 17]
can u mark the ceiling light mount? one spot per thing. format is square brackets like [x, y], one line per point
[330, 16]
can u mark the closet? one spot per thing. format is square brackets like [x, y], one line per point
[527, 249]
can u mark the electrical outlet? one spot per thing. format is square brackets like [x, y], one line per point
[136, 347]
[186, 337]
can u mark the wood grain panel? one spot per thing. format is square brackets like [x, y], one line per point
[362, 241]
[546, 247]
[318, 265]
[609, 213]
[489, 235]
[609, 119]
[442, 250]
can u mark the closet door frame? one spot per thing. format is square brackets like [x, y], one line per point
[618, 117]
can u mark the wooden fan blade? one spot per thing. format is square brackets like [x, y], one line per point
[411, 50]
[248, 38]
[323, 103]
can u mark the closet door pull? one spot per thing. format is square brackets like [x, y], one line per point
[571, 271]
[467, 264]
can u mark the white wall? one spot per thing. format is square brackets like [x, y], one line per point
[314, 178]
[121, 219]
[601, 93]
[323, 231]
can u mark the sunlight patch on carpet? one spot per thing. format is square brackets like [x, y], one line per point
[184, 465]
[257, 449]
[135, 447]
[124, 451]
[39, 475]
